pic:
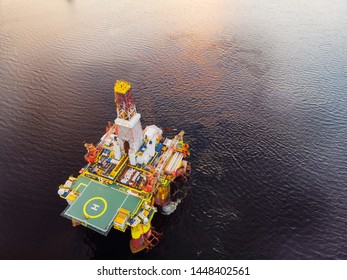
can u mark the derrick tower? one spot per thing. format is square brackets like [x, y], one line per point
[124, 99]
[130, 134]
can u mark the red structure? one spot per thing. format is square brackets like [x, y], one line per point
[124, 99]
[91, 154]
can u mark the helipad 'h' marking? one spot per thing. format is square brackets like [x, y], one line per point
[95, 207]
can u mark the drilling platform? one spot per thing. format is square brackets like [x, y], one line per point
[128, 176]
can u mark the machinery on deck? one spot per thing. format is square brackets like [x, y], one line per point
[127, 177]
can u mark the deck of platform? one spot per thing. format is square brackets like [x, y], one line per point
[98, 204]
[80, 183]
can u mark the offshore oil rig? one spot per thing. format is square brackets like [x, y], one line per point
[128, 176]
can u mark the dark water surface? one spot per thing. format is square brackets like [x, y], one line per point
[260, 87]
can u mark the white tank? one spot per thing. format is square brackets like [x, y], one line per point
[132, 157]
[61, 192]
[116, 148]
[151, 148]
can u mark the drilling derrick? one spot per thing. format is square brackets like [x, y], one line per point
[130, 134]
[124, 99]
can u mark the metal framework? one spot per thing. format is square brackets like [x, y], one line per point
[124, 99]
